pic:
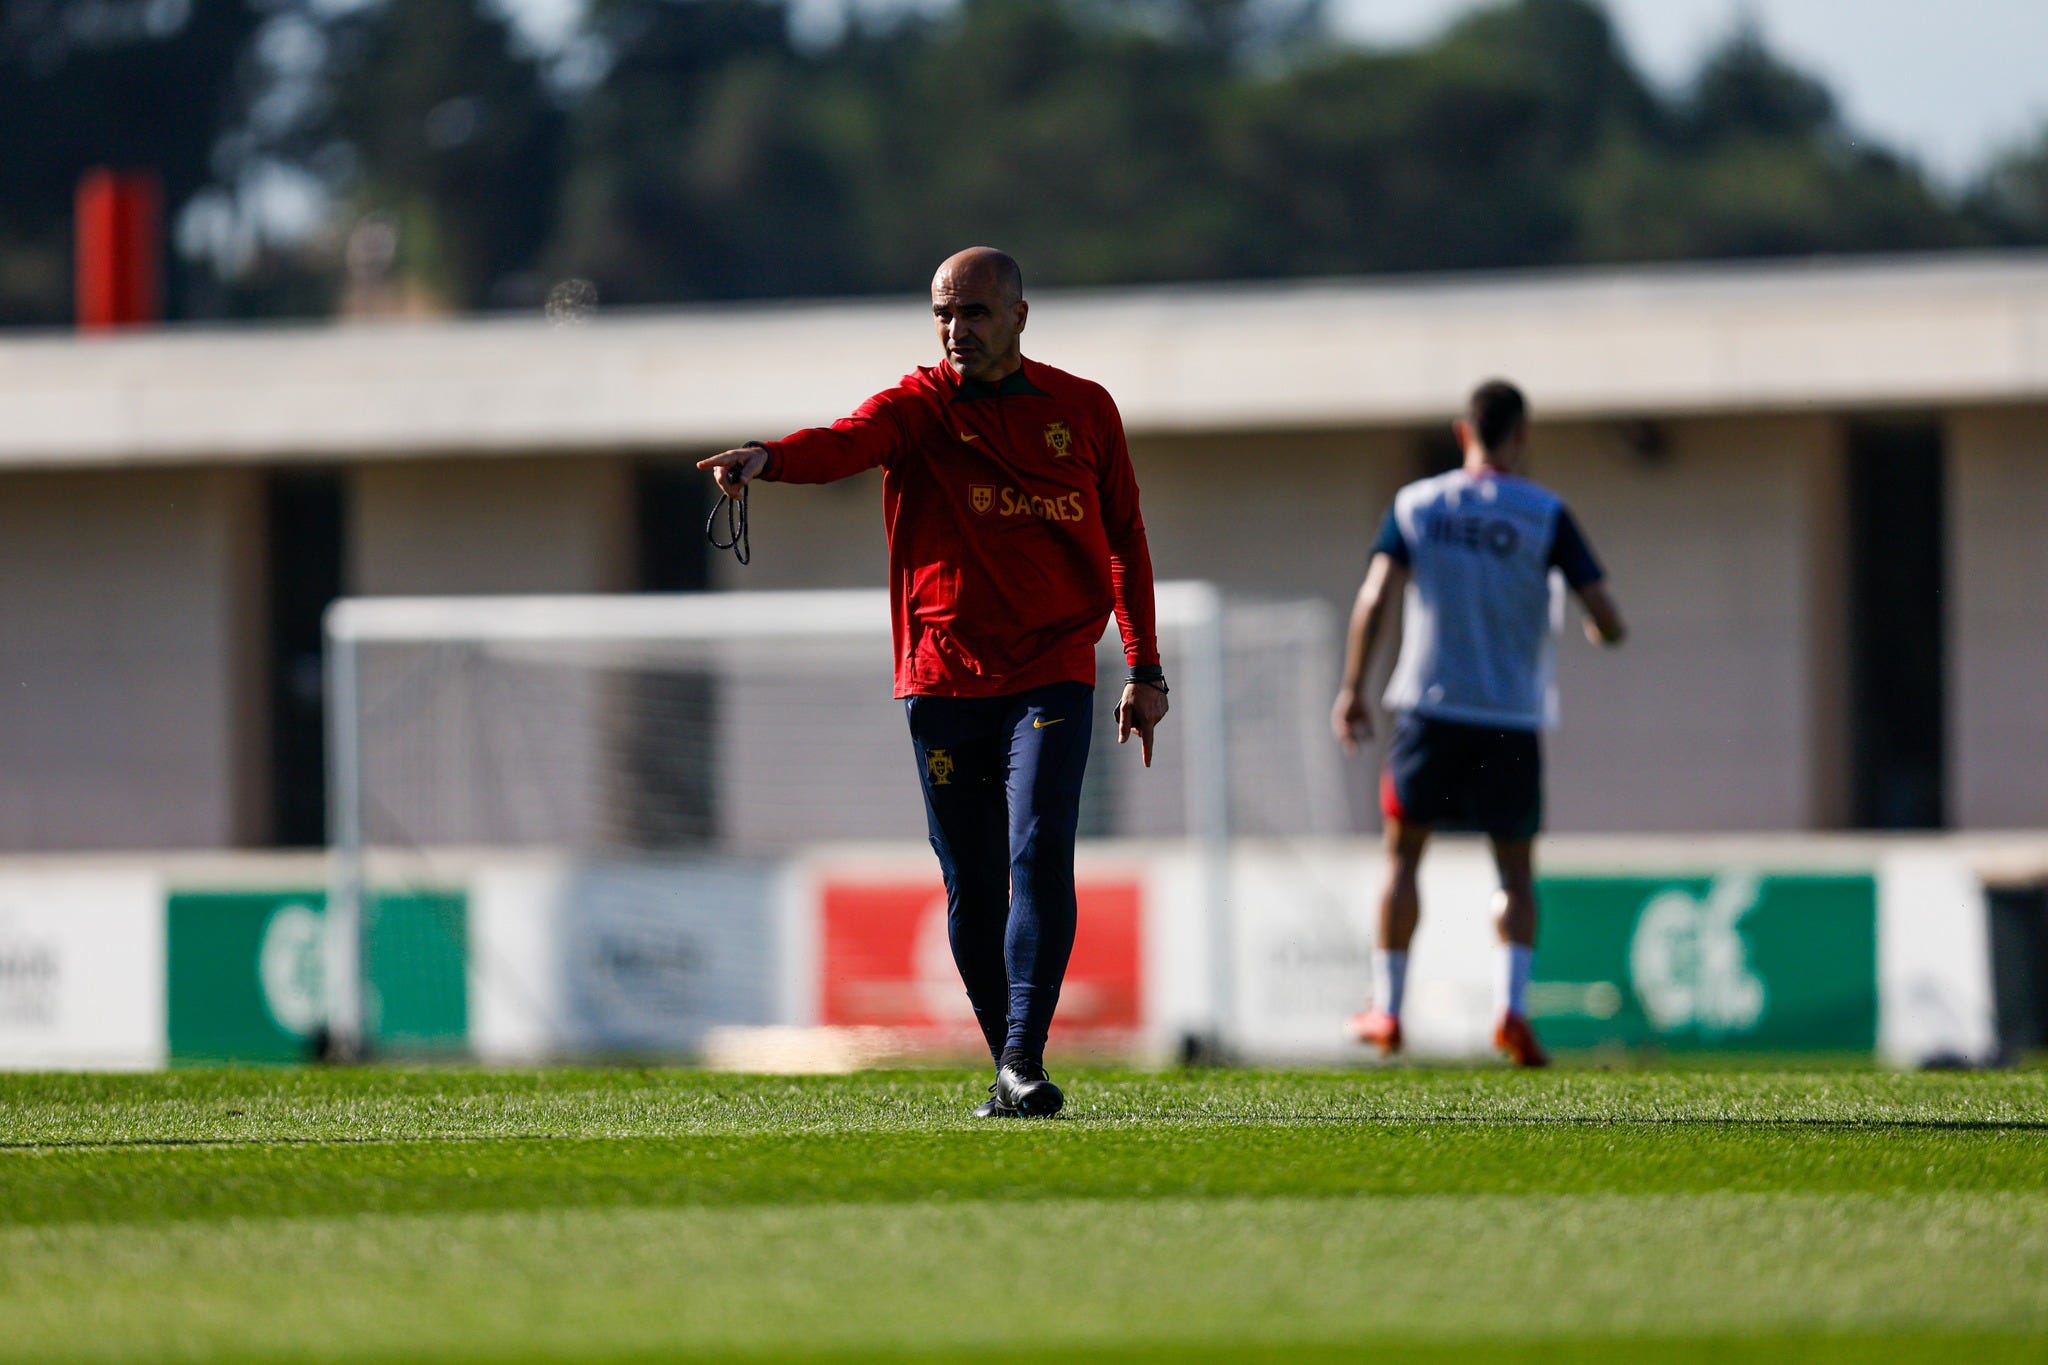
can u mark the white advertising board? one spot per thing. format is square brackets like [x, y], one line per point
[81, 970]
[1933, 961]
[1304, 918]
[641, 957]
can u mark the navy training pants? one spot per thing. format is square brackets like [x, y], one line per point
[1002, 795]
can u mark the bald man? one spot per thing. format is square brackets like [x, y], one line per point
[1012, 516]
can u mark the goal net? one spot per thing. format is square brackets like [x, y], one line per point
[658, 756]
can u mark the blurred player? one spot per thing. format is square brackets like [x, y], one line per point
[1012, 517]
[1471, 689]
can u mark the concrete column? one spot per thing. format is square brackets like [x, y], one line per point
[1723, 542]
[1997, 618]
[133, 712]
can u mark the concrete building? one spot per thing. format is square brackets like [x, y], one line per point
[1822, 491]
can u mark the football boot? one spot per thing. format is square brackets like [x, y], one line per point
[993, 1107]
[1379, 1029]
[1025, 1088]
[1513, 1036]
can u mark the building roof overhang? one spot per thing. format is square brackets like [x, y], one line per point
[1623, 344]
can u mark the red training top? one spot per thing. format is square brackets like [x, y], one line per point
[1012, 516]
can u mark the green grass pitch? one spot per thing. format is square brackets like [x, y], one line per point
[441, 1215]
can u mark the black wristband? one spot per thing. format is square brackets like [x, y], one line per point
[769, 466]
[1149, 675]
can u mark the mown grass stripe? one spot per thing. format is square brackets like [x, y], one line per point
[134, 1185]
[1089, 1275]
[462, 1215]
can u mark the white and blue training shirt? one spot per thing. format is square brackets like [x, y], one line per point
[1481, 611]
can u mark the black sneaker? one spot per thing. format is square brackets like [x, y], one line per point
[994, 1108]
[1027, 1090]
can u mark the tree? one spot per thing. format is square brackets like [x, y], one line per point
[1744, 92]
[698, 171]
[691, 149]
[1753, 163]
[2010, 202]
[139, 84]
[1066, 133]
[456, 146]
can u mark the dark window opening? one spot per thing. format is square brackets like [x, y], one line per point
[304, 512]
[671, 499]
[2019, 966]
[1438, 452]
[1896, 558]
[670, 763]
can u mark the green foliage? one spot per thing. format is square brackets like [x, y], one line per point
[1744, 91]
[1753, 164]
[696, 169]
[1464, 1215]
[456, 140]
[129, 84]
[2012, 200]
[693, 149]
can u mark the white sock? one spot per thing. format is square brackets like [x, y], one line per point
[1389, 979]
[1514, 982]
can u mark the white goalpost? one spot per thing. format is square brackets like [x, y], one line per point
[750, 727]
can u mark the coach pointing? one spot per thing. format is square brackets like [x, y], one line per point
[1012, 517]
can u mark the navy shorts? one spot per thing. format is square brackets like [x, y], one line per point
[1441, 773]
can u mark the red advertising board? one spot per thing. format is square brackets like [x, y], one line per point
[886, 962]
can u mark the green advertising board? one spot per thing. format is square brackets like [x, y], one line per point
[1736, 962]
[247, 976]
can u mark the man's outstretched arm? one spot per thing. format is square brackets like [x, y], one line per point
[1351, 717]
[1603, 618]
[871, 436]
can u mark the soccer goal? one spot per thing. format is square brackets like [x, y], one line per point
[741, 728]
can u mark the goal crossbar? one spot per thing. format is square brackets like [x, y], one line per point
[705, 616]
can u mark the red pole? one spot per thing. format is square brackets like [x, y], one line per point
[117, 235]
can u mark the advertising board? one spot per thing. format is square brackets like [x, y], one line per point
[639, 957]
[81, 970]
[245, 973]
[884, 961]
[1737, 961]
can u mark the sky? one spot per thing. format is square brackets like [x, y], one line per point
[1950, 83]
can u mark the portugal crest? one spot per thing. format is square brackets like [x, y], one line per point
[938, 766]
[1058, 439]
[981, 497]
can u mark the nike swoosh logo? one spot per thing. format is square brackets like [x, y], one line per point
[1038, 724]
[965, 437]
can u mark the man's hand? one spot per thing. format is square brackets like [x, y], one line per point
[734, 469]
[1603, 618]
[1142, 708]
[1351, 720]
